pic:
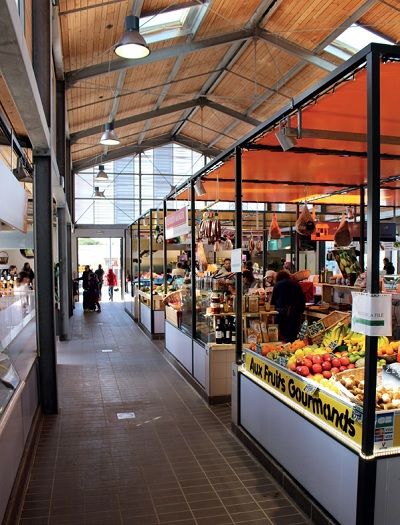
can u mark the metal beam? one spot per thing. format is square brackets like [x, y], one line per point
[340, 135]
[118, 153]
[231, 112]
[174, 7]
[294, 49]
[16, 68]
[138, 118]
[155, 113]
[158, 54]
[354, 17]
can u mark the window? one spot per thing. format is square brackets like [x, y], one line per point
[130, 191]
[353, 40]
[172, 23]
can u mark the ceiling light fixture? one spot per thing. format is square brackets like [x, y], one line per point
[109, 137]
[131, 44]
[199, 188]
[284, 140]
[98, 193]
[101, 174]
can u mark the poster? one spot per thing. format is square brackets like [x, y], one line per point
[236, 260]
[177, 223]
[372, 314]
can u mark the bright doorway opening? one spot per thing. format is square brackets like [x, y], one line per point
[107, 251]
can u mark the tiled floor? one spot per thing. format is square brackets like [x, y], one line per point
[176, 462]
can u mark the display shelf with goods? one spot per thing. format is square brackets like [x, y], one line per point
[146, 282]
[330, 401]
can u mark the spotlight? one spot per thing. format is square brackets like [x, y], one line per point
[199, 188]
[97, 192]
[285, 142]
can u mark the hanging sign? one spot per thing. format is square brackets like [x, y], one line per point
[372, 314]
[177, 223]
[236, 260]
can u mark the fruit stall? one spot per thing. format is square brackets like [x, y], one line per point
[322, 412]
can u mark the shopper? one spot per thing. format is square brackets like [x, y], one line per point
[289, 301]
[27, 269]
[224, 271]
[12, 271]
[111, 282]
[94, 293]
[388, 267]
[249, 281]
[179, 271]
[100, 276]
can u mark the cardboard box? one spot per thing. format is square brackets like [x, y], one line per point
[173, 316]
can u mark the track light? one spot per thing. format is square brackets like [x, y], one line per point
[101, 174]
[284, 140]
[109, 137]
[131, 44]
[199, 188]
[97, 192]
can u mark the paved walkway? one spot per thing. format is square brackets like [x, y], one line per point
[176, 462]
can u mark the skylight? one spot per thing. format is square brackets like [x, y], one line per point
[352, 40]
[172, 23]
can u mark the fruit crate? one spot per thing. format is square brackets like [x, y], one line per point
[328, 322]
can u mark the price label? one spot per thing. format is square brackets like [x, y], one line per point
[310, 389]
[357, 413]
[333, 345]
[303, 331]
[315, 328]
[258, 348]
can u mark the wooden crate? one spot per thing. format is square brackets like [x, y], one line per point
[173, 316]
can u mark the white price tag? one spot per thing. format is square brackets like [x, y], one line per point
[372, 314]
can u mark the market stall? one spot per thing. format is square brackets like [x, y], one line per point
[337, 144]
[145, 284]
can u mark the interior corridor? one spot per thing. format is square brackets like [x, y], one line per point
[174, 462]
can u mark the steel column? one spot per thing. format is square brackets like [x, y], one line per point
[63, 326]
[238, 244]
[165, 260]
[265, 241]
[44, 283]
[151, 271]
[296, 243]
[41, 58]
[193, 255]
[140, 184]
[362, 227]
[61, 153]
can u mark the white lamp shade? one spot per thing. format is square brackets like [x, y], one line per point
[102, 174]
[199, 188]
[109, 137]
[131, 45]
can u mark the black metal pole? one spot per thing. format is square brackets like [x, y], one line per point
[238, 244]
[362, 227]
[265, 241]
[193, 256]
[43, 217]
[373, 230]
[151, 271]
[296, 243]
[139, 269]
[140, 184]
[165, 261]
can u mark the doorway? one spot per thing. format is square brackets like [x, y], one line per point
[106, 251]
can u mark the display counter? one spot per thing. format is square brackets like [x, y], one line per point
[15, 313]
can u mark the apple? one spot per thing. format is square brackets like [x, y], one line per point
[308, 363]
[326, 365]
[327, 357]
[303, 370]
[334, 370]
[316, 368]
[327, 374]
[317, 359]
[336, 362]
[299, 361]
[344, 361]
[343, 368]
[345, 354]
[292, 367]
[351, 365]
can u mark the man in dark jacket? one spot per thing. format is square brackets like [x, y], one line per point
[388, 267]
[289, 301]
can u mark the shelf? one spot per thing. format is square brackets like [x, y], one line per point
[245, 314]
[346, 286]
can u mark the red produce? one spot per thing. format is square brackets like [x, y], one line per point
[327, 374]
[326, 365]
[336, 362]
[316, 368]
[344, 361]
[327, 357]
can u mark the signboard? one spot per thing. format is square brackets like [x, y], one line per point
[316, 404]
[236, 260]
[372, 314]
[14, 200]
[177, 223]
[384, 430]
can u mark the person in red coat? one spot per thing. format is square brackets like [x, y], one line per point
[111, 282]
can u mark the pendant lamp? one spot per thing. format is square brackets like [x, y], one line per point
[109, 137]
[97, 192]
[131, 44]
[101, 174]
[199, 188]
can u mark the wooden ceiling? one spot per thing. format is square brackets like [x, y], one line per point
[247, 59]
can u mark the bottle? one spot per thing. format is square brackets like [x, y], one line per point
[233, 331]
[219, 331]
[228, 330]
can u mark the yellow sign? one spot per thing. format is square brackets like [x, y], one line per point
[319, 404]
